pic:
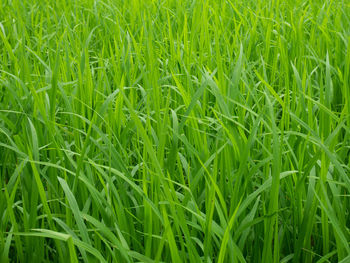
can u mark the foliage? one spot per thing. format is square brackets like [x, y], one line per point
[174, 131]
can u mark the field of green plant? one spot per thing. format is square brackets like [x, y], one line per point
[175, 131]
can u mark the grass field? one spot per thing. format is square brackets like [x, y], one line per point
[175, 131]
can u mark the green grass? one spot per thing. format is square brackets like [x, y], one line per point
[175, 131]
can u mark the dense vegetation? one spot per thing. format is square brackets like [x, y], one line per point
[174, 131]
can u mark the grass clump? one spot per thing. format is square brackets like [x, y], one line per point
[174, 131]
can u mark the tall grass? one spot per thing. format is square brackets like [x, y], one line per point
[175, 131]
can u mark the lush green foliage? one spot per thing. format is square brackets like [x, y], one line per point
[174, 131]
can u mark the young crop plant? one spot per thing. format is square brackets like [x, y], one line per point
[175, 131]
